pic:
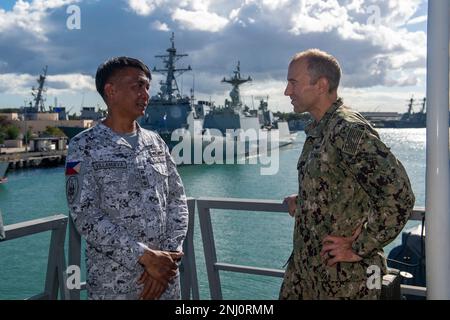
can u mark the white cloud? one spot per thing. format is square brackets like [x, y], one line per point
[356, 6]
[70, 83]
[318, 16]
[198, 5]
[200, 20]
[190, 14]
[417, 20]
[158, 25]
[30, 16]
[398, 12]
[378, 99]
[262, 34]
[12, 83]
[274, 4]
[144, 7]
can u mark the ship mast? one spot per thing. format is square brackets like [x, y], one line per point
[423, 105]
[38, 92]
[236, 81]
[410, 106]
[170, 86]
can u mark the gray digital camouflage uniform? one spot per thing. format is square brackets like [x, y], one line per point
[347, 177]
[119, 196]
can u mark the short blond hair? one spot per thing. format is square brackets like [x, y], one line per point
[321, 64]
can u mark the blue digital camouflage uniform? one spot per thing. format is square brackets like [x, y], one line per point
[347, 177]
[119, 196]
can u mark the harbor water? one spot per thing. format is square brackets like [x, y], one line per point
[258, 239]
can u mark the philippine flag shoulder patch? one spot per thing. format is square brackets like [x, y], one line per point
[73, 168]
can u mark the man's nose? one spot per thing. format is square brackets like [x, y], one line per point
[145, 93]
[287, 91]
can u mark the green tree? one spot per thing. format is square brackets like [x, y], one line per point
[12, 132]
[53, 132]
[27, 136]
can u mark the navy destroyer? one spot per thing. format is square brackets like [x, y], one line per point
[188, 128]
[169, 110]
[236, 123]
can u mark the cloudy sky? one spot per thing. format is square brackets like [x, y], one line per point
[381, 45]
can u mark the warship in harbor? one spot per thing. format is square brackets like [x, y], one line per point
[36, 110]
[409, 119]
[168, 110]
[235, 121]
[178, 118]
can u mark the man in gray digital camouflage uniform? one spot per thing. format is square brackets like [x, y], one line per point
[354, 196]
[125, 195]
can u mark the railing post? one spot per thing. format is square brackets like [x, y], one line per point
[74, 254]
[2, 229]
[188, 274]
[209, 250]
[56, 265]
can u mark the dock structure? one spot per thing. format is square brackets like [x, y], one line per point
[34, 159]
[59, 284]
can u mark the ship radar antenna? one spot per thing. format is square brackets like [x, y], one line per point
[424, 103]
[169, 87]
[236, 81]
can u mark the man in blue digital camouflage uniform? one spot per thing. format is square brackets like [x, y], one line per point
[125, 195]
[354, 196]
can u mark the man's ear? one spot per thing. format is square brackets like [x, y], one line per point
[323, 85]
[109, 91]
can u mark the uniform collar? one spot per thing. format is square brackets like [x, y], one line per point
[116, 138]
[315, 129]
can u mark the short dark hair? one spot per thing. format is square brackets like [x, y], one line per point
[321, 64]
[111, 66]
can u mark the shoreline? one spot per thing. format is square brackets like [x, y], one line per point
[34, 159]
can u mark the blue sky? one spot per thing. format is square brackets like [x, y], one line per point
[381, 46]
[7, 4]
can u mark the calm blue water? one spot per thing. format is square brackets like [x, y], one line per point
[258, 239]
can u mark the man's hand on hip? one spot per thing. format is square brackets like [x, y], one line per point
[339, 249]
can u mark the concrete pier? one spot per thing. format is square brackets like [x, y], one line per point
[34, 159]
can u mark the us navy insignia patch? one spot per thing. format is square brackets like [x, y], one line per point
[353, 139]
[71, 189]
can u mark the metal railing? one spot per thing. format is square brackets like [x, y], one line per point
[56, 266]
[213, 266]
[188, 270]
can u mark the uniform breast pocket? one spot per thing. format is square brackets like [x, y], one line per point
[313, 167]
[157, 173]
[160, 168]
